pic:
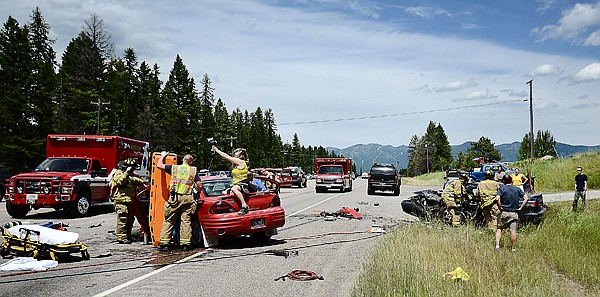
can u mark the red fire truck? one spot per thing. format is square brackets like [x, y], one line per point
[76, 173]
[333, 173]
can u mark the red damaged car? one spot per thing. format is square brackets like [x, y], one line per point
[217, 212]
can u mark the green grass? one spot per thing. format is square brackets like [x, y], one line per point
[559, 257]
[551, 176]
[428, 179]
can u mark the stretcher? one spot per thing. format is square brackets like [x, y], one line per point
[28, 241]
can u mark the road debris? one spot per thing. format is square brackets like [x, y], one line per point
[344, 212]
[300, 275]
[284, 253]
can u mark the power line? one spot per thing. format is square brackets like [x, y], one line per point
[397, 114]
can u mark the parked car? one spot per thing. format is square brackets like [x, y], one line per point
[217, 212]
[293, 176]
[364, 175]
[383, 177]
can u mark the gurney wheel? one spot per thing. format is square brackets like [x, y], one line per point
[35, 254]
[85, 255]
[53, 256]
[3, 252]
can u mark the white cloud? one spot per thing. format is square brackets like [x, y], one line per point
[427, 11]
[574, 22]
[477, 95]
[593, 39]
[544, 70]
[469, 26]
[512, 93]
[545, 5]
[457, 85]
[590, 72]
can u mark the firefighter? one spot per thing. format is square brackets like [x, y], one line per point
[454, 193]
[487, 191]
[123, 189]
[181, 205]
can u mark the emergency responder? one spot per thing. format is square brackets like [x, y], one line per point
[453, 193]
[181, 205]
[487, 191]
[123, 189]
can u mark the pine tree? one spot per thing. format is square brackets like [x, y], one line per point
[95, 31]
[16, 117]
[81, 77]
[543, 145]
[182, 108]
[484, 148]
[42, 81]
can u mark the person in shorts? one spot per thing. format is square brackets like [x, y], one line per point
[508, 201]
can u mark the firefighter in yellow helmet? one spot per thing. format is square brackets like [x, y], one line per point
[486, 192]
[454, 193]
[181, 204]
[123, 187]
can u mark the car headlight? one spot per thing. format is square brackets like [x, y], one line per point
[10, 189]
[339, 180]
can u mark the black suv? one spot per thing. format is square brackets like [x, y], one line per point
[383, 177]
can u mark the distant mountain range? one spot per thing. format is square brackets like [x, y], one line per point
[364, 155]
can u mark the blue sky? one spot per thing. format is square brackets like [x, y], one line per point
[340, 73]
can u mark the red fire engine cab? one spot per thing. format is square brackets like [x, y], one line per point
[76, 173]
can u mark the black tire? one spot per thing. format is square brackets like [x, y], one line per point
[370, 191]
[304, 184]
[81, 205]
[397, 192]
[17, 211]
[260, 236]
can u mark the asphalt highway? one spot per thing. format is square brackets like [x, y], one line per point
[333, 248]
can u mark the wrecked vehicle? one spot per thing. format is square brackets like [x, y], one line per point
[428, 205]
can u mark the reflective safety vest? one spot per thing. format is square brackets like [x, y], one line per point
[182, 178]
[487, 191]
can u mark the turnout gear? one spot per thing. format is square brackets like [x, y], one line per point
[487, 191]
[123, 190]
[452, 194]
[182, 179]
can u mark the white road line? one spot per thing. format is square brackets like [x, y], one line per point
[145, 276]
[309, 207]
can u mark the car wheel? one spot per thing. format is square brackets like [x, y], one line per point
[81, 206]
[260, 236]
[370, 191]
[17, 211]
[397, 192]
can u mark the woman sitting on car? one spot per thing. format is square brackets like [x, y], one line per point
[240, 175]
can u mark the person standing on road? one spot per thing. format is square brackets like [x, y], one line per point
[123, 187]
[487, 191]
[581, 181]
[240, 175]
[508, 201]
[499, 174]
[518, 179]
[452, 194]
[181, 204]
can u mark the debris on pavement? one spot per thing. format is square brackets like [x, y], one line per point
[300, 275]
[344, 212]
[284, 253]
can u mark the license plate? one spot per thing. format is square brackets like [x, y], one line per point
[329, 186]
[257, 223]
[31, 198]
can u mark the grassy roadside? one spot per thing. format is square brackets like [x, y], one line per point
[559, 257]
[551, 176]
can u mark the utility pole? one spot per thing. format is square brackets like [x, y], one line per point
[99, 103]
[231, 139]
[530, 83]
[427, 156]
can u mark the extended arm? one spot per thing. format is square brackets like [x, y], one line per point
[233, 160]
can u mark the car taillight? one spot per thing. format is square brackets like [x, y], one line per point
[275, 202]
[221, 207]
